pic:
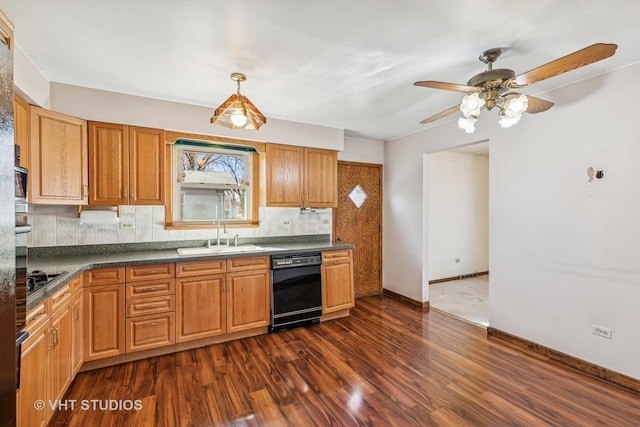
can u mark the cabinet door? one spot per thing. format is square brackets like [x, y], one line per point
[21, 128]
[201, 307]
[284, 171]
[59, 372]
[58, 159]
[33, 379]
[320, 178]
[147, 165]
[108, 164]
[77, 355]
[247, 300]
[337, 284]
[104, 321]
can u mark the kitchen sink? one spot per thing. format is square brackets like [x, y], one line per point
[220, 250]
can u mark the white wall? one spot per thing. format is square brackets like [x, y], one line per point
[362, 150]
[563, 252]
[28, 80]
[458, 214]
[100, 105]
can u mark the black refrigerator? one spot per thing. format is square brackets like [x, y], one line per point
[7, 243]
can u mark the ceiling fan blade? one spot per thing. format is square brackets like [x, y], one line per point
[535, 105]
[586, 56]
[441, 115]
[448, 86]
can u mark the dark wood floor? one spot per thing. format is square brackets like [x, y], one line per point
[387, 364]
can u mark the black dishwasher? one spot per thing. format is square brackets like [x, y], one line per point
[296, 290]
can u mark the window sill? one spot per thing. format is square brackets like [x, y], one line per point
[209, 225]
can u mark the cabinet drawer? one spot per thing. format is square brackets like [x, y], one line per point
[150, 288]
[60, 298]
[150, 332]
[201, 268]
[103, 276]
[154, 305]
[137, 273]
[250, 263]
[76, 284]
[331, 255]
[37, 316]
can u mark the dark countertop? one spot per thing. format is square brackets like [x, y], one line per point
[74, 264]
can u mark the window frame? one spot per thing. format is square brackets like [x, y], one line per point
[171, 177]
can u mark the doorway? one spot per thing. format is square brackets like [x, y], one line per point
[458, 223]
[358, 220]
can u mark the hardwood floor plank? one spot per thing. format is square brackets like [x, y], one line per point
[387, 364]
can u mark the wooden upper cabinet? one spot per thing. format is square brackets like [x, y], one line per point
[284, 175]
[126, 165]
[21, 128]
[146, 166]
[301, 177]
[320, 178]
[58, 158]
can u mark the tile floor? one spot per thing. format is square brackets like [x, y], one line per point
[467, 299]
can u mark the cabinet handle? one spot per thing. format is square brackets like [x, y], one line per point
[53, 339]
[151, 324]
[77, 312]
[151, 305]
[124, 192]
[85, 190]
[56, 337]
[155, 288]
[37, 316]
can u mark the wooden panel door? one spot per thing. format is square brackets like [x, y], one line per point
[33, 378]
[362, 225]
[200, 307]
[147, 166]
[337, 281]
[284, 180]
[104, 321]
[108, 164]
[58, 158]
[247, 300]
[21, 128]
[320, 178]
[59, 371]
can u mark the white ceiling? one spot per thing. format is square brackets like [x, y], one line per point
[345, 64]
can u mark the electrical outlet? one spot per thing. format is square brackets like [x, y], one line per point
[457, 260]
[325, 221]
[127, 225]
[601, 331]
[286, 222]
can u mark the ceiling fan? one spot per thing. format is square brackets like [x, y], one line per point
[493, 87]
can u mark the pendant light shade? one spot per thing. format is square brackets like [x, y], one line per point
[237, 112]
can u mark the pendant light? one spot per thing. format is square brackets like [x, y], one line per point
[237, 112]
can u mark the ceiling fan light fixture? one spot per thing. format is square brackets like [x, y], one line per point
[471, 104]
[516, 105]
[237, 112]
[506, 121]
[467, 124]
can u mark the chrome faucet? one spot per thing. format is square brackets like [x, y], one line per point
[224, 226]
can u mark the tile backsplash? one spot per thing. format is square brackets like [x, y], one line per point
[60, 226]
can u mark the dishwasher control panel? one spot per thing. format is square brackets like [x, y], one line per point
[295, 260]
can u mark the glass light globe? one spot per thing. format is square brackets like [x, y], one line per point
[471, 104]
[238, 119]
[516, 105]
[467, 123]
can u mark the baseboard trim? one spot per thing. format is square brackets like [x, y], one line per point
[571, 361]
[424, 306]
[462, 276]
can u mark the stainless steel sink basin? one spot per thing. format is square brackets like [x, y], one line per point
[219, 250]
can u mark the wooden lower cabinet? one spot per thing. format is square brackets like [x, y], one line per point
[201, 307]
[33, 378]
[46, 363]
[337, 281]
[104, 321]
[248, 301]
[146, 332]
